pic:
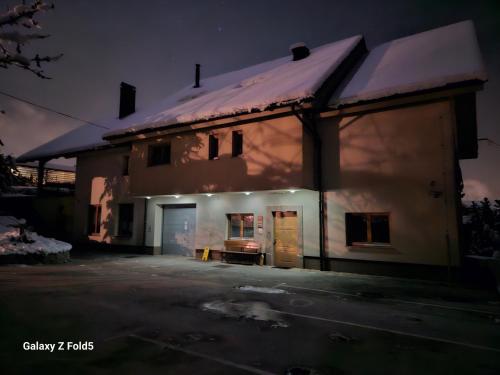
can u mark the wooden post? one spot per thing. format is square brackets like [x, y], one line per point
[41, 175]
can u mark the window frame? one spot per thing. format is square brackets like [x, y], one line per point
[119, 229]
[369, 235]
[151, 148]
[237, 138]
[94, 226]
[125, 166]
[242, 225]
[213, 147]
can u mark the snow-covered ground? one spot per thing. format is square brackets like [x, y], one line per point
[12, 243]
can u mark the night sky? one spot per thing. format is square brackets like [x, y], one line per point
[155, 44]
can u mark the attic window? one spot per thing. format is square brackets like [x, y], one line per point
[213, 147]
[237, 143]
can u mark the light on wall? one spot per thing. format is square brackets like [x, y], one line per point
[292, 191]
[148, 197]
[247, 192]
[177, 196]
[209, 194]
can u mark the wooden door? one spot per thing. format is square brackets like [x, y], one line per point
[286, 238]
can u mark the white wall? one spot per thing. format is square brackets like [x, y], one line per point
[212, 224]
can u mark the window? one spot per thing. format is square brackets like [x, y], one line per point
[240, 226]
[237, 143]
[159, 154]
[364, 228]
[126, 160]
[213, 147]
[125, 219]
[94, 219]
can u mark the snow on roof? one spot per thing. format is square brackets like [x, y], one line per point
[82, 138]
[279, 81]
[431, 59]
[428, 60]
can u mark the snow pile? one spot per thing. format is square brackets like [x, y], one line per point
[11, 242]
[423, 61]
[260, 289]
[254, 310]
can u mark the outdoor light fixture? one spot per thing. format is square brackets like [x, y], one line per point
[209, 194]
[177, 196]
[148, 197]
[247, 193]
[292, 191]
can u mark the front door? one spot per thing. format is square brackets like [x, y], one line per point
[179, 228]
[286, 238]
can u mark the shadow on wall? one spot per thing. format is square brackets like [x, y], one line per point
[374, 167]
[272, 159]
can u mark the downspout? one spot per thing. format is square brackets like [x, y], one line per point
[308, 120]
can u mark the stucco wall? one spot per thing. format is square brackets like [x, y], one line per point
[99, 181]
[212, 223]
[272, 159]
[386, 162]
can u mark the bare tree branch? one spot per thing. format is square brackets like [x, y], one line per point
[12, 41]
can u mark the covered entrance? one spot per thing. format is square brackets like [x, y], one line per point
[179, 229]
[286, 238]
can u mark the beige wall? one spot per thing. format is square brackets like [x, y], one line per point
[378, 162]
[385, 162]
[272, 159]
[100, 181]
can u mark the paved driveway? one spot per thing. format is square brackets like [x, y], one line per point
[170, 315]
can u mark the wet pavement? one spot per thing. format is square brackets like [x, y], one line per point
[171, 315]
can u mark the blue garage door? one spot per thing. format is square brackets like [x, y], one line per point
[179, 228]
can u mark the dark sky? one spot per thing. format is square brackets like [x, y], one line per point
[155, 44]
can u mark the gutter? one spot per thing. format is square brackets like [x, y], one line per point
[308, 120]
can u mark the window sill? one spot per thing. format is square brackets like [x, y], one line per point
[372, 248]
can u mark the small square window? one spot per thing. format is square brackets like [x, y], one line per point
[367, 228]
[213, 147]
[237, 143]
[159, 154]
[241, 226]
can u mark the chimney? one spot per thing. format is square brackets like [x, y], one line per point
[197, 76]
[299, 51]
[127, 100]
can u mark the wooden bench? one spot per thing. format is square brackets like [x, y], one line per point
[242, 251]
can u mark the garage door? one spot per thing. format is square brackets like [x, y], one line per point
[179, 228]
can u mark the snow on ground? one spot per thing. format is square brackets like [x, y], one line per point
[11, 242]
[260, 289]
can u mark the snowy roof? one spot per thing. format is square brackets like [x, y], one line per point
[280, 81]
[428, 60]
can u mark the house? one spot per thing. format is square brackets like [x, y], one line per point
[334, 158]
